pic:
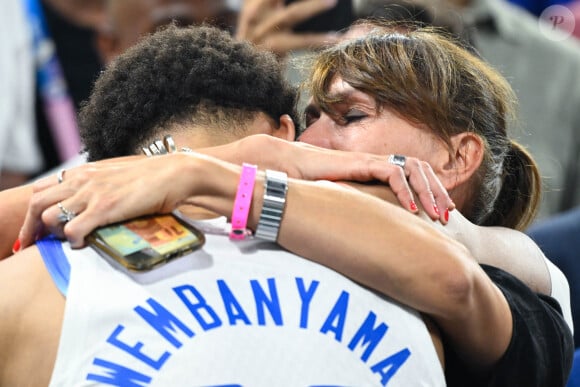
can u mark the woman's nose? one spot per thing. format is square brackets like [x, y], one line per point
[314, 135]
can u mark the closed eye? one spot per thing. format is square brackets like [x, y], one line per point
[354, 115]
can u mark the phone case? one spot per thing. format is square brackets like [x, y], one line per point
[144, 243]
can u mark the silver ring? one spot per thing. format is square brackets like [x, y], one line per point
[161, 147]
[65, 215]
[397, 160]
[154, 150]
[60, 175]
[170, 144]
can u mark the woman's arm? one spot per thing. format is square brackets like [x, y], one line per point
[494, 246]
[389, 249]
[504, 248]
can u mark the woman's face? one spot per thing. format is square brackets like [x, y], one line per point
[356, 125]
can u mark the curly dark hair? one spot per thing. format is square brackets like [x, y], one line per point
[181, 76]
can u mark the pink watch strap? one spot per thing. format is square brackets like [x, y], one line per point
[243, 201]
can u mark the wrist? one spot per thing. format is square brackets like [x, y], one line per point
[242, 202]
[273, 206]
[212, 183]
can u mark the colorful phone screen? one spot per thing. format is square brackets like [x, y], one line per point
[161, 233]
[145, 242]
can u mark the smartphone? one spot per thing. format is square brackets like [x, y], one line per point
[144, 243]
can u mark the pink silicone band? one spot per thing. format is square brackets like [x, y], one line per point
[243, 201]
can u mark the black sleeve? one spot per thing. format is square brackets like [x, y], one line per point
[541, 349]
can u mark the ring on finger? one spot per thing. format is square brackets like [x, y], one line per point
[65, 215]
[60, 175]
[169, 144]
[398, 160]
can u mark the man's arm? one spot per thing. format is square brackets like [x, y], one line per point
[32, 310]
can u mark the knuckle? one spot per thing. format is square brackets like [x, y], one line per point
[414, 162]
[46, 218]
[37, 186]
[426, 166]
[36, 202]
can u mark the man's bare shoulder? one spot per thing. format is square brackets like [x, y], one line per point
[32, 310]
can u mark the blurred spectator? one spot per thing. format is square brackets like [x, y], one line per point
[128, 20]
[285, 26]
[575, 8]
[559, 238]
[536, 7]
[544, 71]
[90, 33]
[19, 152]
[69, 26]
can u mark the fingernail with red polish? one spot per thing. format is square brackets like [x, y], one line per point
[413, 206]
[16, 246]
[446, 215]
[436, 209]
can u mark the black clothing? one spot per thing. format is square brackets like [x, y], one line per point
[558, 238]
[541, 349]
[77, 53]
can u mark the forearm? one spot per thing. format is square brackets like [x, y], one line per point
[13, 205]
[324, 223]
[389, 250]
[507, 249]
[375, 243]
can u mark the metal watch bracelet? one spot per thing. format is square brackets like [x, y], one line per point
[275, 189]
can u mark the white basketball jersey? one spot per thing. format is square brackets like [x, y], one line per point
[244, 314]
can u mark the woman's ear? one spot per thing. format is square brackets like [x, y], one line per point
[467, 150]
[286, 129]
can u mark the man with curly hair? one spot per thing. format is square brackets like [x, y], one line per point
[216, 83]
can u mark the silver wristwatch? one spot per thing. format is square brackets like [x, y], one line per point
[275, 189]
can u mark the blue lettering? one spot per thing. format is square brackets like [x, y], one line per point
[198, 306]
[163, 321]
[369, 334]
[272, 303]
[118, 375]
[136, 349]
[389, 366]
[337, 313]
[231, 304]
[306, 296]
